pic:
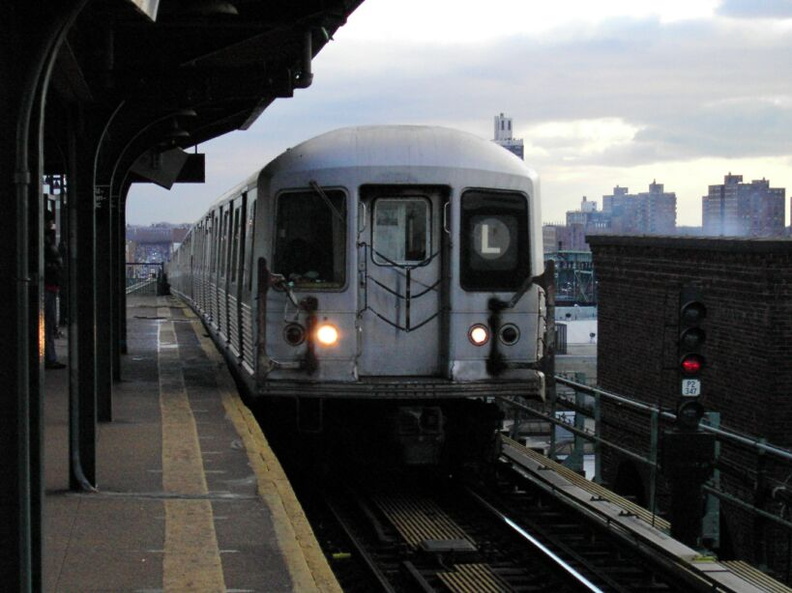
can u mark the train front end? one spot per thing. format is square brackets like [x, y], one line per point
[400, 286]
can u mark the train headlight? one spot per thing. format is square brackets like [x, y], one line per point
[327, 335]
[478, 334]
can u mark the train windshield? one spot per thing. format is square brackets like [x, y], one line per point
[310, 238]
[401, 231]
[495, 252]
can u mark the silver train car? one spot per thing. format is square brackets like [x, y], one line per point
[398, 264]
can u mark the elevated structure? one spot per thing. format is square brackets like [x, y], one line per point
[746, 289]
[574, 277]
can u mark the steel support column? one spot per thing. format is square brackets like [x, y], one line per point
[117, 281]
[120, 303]
[104, 298]
[16, 556]
[30, 37]
[82, 316]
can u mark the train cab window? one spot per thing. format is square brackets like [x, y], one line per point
[401, 231]
[310, 238]
[495, 251]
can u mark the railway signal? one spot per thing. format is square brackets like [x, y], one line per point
[692, 312]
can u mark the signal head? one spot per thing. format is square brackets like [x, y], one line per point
[691, 338]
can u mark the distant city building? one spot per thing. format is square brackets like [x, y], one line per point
[742, 209]
[503, 136]
[572, 235]
[153, 244]
[646, 213]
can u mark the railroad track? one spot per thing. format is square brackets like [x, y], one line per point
[414, 538]
[434, 534]
[403, 531]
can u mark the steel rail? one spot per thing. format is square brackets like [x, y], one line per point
[680, 566]
[361, 549]
[547, 552]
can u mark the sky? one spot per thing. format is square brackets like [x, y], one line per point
[605, 93]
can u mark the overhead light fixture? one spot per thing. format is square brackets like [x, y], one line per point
[185, 113]
[176, 132]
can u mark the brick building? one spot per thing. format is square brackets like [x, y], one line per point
[747, 288]
[742, 209]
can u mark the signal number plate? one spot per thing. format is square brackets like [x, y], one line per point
[691, 387]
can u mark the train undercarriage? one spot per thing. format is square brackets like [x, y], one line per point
[441, 432]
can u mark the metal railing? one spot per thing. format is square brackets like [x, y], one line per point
[587, 402]
[146, 278]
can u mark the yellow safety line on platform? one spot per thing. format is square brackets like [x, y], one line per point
[191, 562]
[304, 559]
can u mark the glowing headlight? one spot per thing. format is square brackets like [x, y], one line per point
[478, 334]
[327, 335]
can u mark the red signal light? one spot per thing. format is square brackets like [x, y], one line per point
[692, 364]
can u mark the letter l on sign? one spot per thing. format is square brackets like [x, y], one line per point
[485, 244]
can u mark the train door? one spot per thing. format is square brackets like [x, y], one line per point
[246, 297]
[401, 247]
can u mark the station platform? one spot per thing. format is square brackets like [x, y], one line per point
[190, 497]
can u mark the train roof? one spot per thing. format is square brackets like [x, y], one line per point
[391, 147]
[398, 146]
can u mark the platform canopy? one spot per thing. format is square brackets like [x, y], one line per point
[175, 73]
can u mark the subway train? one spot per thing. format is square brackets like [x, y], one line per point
[384, 281]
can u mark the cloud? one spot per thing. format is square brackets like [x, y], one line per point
[600, 101]
[685, 89]
[756, 8]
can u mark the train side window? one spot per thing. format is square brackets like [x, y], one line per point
[495, 251]
[401, 231]
[211, 238]
[225, 233]
[234, 266]
[249, 234]
[310, 238]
